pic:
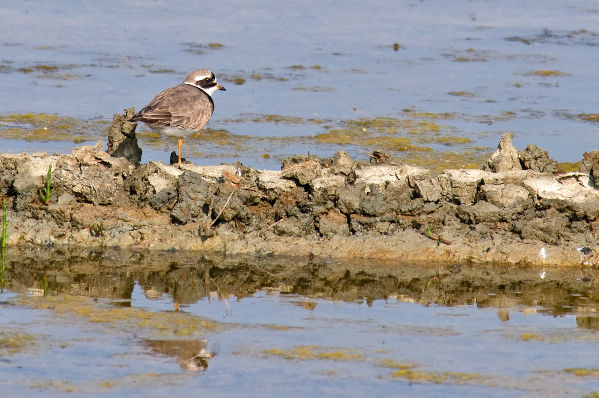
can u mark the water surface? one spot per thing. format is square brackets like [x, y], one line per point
[447, 79]
[104, 322]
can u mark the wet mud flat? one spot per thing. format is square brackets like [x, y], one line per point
[519, 208]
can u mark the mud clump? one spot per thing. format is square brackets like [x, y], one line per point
[590, 164]
[122, 142]
[518, 210]
[506, 157]
[537, 159]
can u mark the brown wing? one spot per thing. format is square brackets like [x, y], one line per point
[182, 106]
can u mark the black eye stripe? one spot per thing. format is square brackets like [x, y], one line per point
[206, 83]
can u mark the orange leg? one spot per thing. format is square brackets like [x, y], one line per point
[180, 145]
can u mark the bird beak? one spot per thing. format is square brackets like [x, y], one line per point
[221, 88]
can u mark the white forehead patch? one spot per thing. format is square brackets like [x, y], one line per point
[201, 77]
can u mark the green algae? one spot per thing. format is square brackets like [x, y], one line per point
[462, 93]
[408, 372]
[404, 371]
[162, 70]
[38, 68]
[314, 352]
[569, 166]
[589, 117]
[428, 115]
[53, 72]
[156, 324]
[419, 376]
[531, 337]
[411, 137]
[315, 89]
[98, 386]
[201, 48]
[48, 127]
[56, 385]
[223, 138]
[13, 342]
[237, 80]
[219, 138]
[390, 363]
[389, 134]
[276, 119]
[583, 372]
[469, 55]
[547, 73]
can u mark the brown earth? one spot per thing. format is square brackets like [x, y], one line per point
[520, 208]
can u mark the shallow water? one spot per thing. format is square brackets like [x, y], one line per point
[296, 71]
[103, 322]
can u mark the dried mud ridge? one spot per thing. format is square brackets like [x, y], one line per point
[518, 208]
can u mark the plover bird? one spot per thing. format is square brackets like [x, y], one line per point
[183, 109]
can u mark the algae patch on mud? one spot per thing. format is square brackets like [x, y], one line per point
[547, 73]
[583, 372]
[312, 352]
[201, 48]
[47, 127]
[404, 371]
[531, 337]
[276, 119]
[153, 324]
[13, 342]
[416, 138]
[418, 376]
[98, 386]
[408, 372]
[386, 133]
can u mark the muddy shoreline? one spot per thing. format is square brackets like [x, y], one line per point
[520, 208]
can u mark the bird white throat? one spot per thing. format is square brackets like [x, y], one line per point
[209, 90]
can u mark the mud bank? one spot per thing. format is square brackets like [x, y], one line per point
[519, 208]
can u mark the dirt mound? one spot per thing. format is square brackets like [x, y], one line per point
[519, 210]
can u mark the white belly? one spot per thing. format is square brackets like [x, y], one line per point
[175, 131]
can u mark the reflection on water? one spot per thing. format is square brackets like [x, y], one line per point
[188, 278]
[323, 328]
